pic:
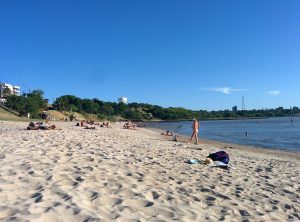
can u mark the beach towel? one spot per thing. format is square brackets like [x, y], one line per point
[218, 164]
[193, 161]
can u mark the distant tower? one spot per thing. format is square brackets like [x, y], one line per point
[243, 103]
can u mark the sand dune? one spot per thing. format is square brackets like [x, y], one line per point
[122, 175]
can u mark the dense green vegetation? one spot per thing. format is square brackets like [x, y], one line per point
[34, 102]
[142, 111]
[28, 103]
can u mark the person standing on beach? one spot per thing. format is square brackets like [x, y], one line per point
[195, 131]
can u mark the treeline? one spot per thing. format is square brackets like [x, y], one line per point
[143, 111]
[34, 103]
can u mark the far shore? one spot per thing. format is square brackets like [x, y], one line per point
[209, 119]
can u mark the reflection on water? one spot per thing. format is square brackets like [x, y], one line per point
[278, 133]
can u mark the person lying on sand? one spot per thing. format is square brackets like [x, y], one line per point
[167, 133]
[175, 138]
[90, 127]
[129, 125]
[82, 123]
[90, 122]
[107, 124]
[32, 126]
[40, 125]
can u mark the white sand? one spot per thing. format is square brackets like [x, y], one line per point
[135, 175]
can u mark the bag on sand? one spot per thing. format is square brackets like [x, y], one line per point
[220, 156]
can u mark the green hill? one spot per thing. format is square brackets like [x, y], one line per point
[6, 115]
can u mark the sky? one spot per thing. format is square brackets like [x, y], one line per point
[200, 55]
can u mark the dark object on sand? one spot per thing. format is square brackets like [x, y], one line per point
[220, 156]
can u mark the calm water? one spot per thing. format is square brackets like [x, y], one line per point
[277, 133]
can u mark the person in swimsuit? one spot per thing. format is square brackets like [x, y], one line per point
[195, 130]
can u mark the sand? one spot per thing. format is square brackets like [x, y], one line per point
[114, 174]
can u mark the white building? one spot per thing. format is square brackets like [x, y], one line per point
[123, 99]
[2, 101]
[14, 90]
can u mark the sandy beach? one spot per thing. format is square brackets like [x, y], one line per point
[115, 174]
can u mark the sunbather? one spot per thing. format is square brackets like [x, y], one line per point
[40, 125]
[82, 123]
[167, 133]
[32, 126]
[129, 125]
[90, 127]
[107, 124]
[175, 138]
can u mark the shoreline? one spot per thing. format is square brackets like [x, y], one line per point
[252, 149]
[116, 174]
[262, 143]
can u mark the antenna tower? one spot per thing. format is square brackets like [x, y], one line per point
[243, 103]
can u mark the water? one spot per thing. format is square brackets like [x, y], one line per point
[278, 133]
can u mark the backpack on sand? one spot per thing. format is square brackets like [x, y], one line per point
[220, 156]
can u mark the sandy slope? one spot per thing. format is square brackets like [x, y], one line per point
[135, 175]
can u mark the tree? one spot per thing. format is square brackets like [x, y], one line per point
[17, 103]
[107, 109]
[28, 103]
[133, 115]
[6, 92]
[64, 103]
[122, 108]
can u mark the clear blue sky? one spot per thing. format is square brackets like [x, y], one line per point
[192, 54]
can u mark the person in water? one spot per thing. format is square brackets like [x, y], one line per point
[195, 130]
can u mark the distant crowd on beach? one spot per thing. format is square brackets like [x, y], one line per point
[91, 124]
[221, 157]
[86, 124]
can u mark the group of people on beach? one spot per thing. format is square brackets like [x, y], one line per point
[92, 125]
[40, 126]
[170, 133]
[87, 124]
[195, 128]
[221, 156]
[129, 125]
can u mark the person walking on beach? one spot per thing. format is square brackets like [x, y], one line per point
[195, 131]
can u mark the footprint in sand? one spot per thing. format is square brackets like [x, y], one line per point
[244, 213]
[38, 197]
[94, 196]
[64, 196]
[79, 179]
[138, 203]
[205, 190]
[107, 201]
[152, 195]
